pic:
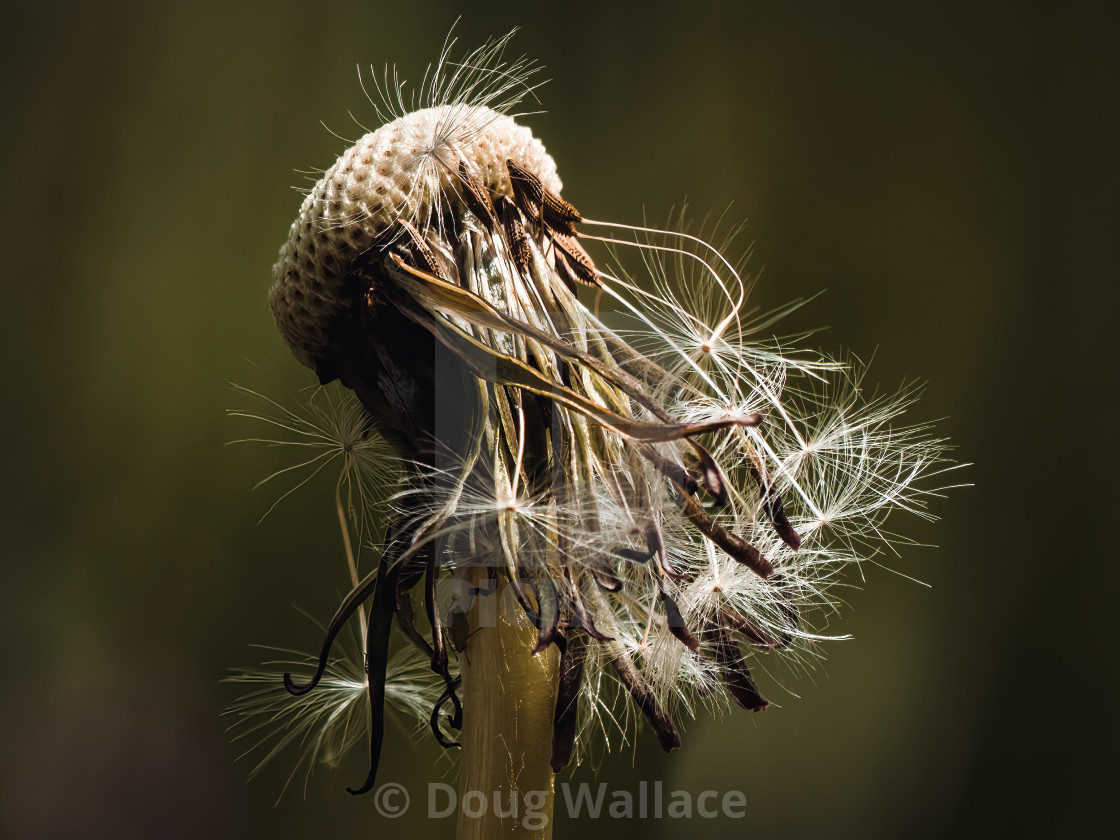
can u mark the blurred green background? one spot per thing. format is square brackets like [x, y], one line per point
[940, 170]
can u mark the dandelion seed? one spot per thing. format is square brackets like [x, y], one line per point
[322, 726]
[333, 431]
[665, 501]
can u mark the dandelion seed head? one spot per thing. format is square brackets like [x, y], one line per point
[675, 498]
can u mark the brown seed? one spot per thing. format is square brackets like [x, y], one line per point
[415, 246]
[579, 260]
[518, 241]
[477, 199]
[560, 214]
[528, 191]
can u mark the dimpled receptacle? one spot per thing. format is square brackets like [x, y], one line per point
[407, 169]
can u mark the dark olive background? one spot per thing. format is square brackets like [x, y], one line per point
[940, 170]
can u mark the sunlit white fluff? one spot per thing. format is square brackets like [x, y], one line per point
[319, 728]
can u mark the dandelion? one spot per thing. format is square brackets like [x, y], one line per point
[626, 516]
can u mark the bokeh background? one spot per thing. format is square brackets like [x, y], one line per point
[940, 170]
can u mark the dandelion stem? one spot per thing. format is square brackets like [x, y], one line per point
[509, 697]
[351, 562]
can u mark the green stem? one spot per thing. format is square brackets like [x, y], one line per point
[509, 698]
